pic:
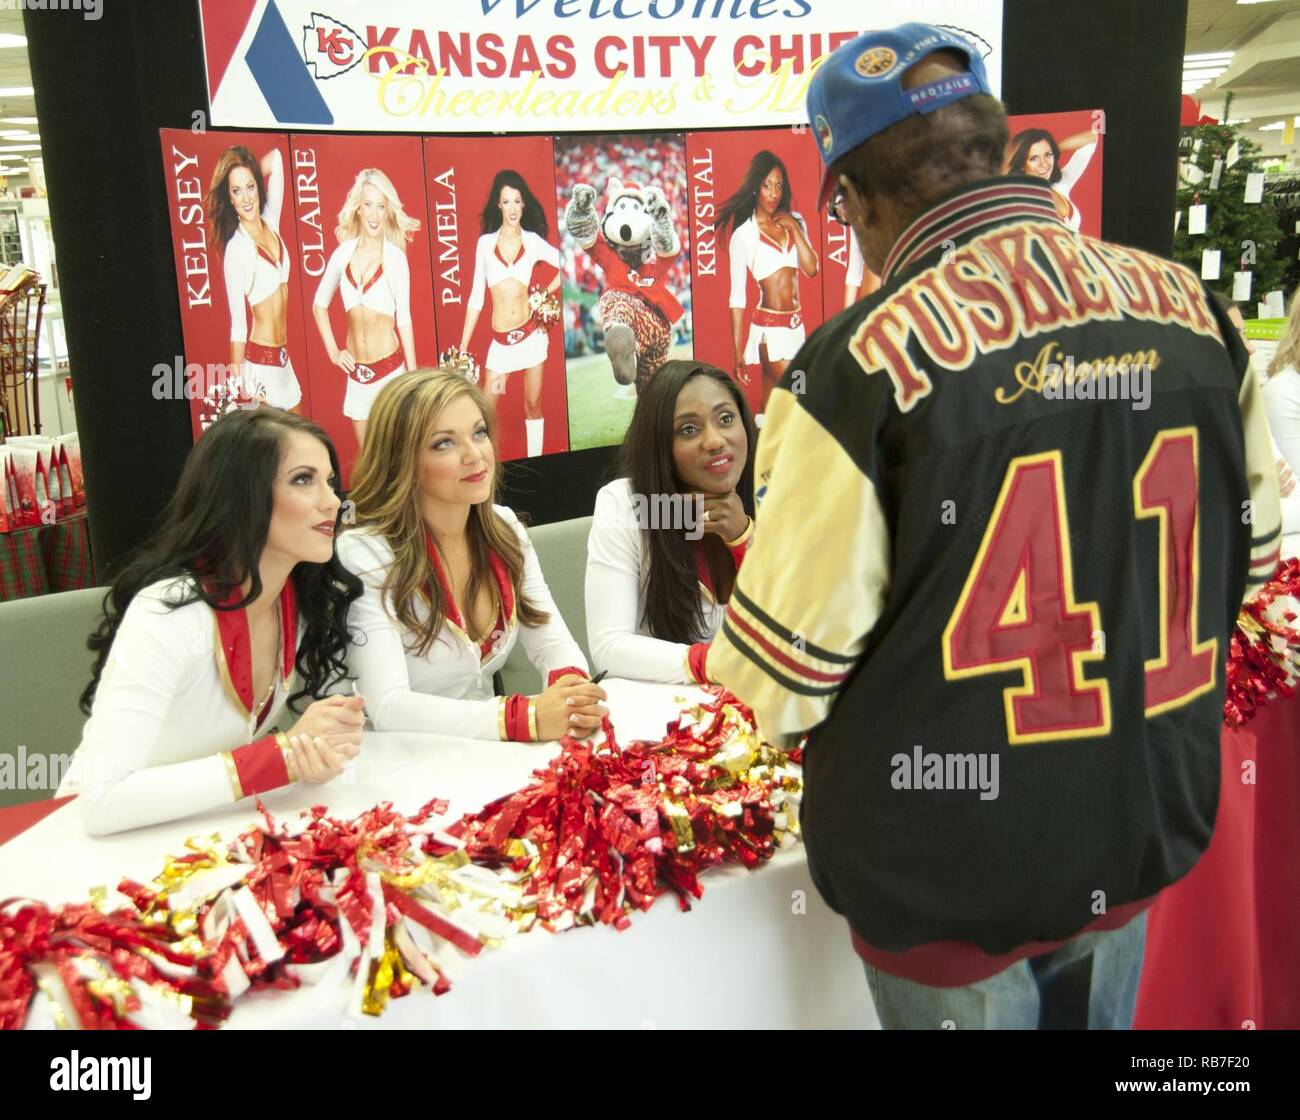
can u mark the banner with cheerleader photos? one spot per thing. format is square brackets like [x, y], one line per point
[238, 275]
[548, 66]
[367, 280]
[496, 261]
[756, 250]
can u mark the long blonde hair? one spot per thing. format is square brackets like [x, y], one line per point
[1288, 348]
[386, 490]
[399, 226]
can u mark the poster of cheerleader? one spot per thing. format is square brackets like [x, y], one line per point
[756, 242]
[236, 255]
[621, 208]
[496, 275]
[363, 240]
[1065, 150]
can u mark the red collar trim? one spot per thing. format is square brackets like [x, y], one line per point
[508, 264]
[499, 572]
[234, 648]
[374, 276]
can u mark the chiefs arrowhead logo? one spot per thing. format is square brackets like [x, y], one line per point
[330, 48]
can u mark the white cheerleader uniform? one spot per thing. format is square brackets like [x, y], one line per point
[526, 345]
[253, 275]
[448, 689]
[175, 724]
[386, 292]
[618, 577]
[752, 251]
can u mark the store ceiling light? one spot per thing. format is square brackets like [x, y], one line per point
[8, 39]
[1277, 126]
[18, 120]
[21, 148]
[16, 91]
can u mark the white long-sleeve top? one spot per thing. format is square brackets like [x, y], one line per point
[1282, 403]
[162, 715]
[618, 573]
[490, 267]
[448, 690]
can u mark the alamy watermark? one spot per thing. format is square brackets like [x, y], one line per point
[929, 770]
[670, 511]
[1108, 380]
[33, 771]
[89, 9]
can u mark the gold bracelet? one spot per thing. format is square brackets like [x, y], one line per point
[532, 720]
[502, 734]
[282, 741]
[232, 772]
[743, 536]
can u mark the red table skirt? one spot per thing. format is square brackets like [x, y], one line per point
[1223, 943]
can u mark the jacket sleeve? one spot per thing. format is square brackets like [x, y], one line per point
[814, 579]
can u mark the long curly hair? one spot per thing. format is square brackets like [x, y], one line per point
[399, 226]
[222, 219]
[386, 492]
[534, 215]
[739, 208]
[217, 523]
[672, 610]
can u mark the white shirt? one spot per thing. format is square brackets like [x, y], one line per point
[490, 267]
[387, 292]
[161, 717]
[250, 274]
[751, 250]
[1282, 403]
[618, 573]
[448, 690]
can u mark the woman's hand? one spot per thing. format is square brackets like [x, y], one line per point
[315, 761]
[724, 515]
[741, 372]
[345, 361]
[571, 706]
[1285, 478]
[337, 720]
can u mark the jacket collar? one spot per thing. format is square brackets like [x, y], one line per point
[962, 213]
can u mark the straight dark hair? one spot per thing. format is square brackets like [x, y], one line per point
[672, 610]
[532, 219]
[739, 208]
[216, 523]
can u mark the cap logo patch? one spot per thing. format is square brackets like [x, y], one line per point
[823, 131]
[875, 62]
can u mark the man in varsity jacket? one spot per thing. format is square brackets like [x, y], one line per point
[1009, 506]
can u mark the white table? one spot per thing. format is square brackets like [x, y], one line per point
[759, 950]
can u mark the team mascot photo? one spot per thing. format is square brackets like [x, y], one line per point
[636, 310]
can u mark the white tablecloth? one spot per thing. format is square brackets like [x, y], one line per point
[760, 949]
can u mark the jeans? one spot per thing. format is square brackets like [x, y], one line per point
[1088, 983]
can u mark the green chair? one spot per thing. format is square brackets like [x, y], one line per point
[44, 665]
[562, 552]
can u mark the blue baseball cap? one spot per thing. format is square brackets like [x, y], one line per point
[858, 90]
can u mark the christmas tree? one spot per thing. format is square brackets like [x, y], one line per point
[1245, 233]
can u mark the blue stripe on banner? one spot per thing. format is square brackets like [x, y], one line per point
[282, 74]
